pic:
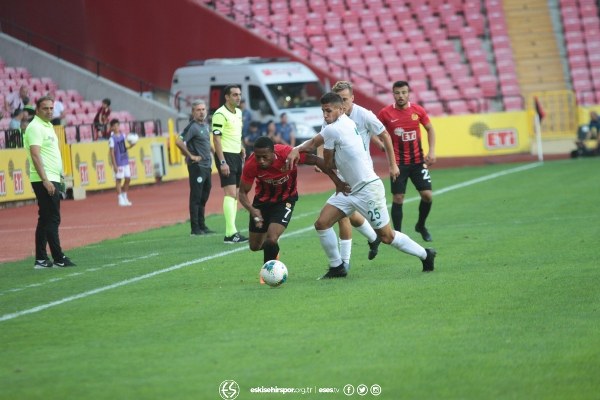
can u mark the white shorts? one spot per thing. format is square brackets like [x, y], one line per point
[123, 172]
[368, 201]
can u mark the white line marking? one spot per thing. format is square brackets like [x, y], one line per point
[77, 273]
[83, 295]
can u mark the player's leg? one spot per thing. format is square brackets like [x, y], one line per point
[230, 185]
[336, 208]
[277, 216]
[345, 231]
[361, 224]
[422, 180]
[372, 203]
[205, 174]
[398, 187]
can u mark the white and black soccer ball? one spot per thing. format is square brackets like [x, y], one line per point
[132, 138]
[274, 273]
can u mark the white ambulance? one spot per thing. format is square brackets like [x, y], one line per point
[270, 87]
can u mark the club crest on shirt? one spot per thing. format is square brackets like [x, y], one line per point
[414, 117]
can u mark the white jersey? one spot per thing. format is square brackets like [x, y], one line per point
[367, 124]
[351, 158]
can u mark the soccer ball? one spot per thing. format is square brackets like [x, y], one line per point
[132, 138]
[274, 273]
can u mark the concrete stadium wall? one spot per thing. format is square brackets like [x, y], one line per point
[91, 87]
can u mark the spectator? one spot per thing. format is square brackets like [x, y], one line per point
[101, 119]
[251, 135]
[285, 131]
[270, 131]
[17, 117]
[17, 100]
[59, 110]
[246, 117]
[45, 170]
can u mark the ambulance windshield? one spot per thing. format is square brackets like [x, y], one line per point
[297, 94]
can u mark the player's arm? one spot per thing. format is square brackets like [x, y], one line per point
[430, 157]
[340, 185]
[389, 153]
[307, 147]
[255, 213]
[184, 150]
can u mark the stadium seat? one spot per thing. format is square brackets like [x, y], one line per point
[513, 103]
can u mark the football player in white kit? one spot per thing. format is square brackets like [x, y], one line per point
[370, 130]
[345, 152]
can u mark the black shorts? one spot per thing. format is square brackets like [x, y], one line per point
[234, 160]
[273, 213]
[418, 174]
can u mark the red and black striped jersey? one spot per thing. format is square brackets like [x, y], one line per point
[273, 185]
[404, 127]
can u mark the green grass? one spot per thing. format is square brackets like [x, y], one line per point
[511, 312]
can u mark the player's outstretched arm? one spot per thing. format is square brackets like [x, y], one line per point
[389, 153]
[340, 185]
[307, 147]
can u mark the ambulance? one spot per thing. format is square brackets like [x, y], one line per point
[270, 87]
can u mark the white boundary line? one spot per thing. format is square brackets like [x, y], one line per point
[7, 317]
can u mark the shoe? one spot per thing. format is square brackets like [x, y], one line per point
[374, 248]
[42, 264]
[424, 233]
[207, 231]
[336, 272]
[235, 238]
[197, 233]
[65, 262]
[428, 262]
[123, 202]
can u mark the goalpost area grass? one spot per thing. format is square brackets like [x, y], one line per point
[511, 311]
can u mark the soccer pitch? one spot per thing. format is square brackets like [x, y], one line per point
[511, 312]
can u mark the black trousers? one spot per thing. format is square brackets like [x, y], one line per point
[200, 186]
[46, 232]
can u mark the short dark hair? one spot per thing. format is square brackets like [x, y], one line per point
[331, 98]
[42, 99]
[228, 88]
[398, 84]
[113, 122]
[264, 142]
[106, 101]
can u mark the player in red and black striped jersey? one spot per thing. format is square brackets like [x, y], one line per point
[403, 121]
[276, 193]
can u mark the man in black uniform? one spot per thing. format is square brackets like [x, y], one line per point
[194, 143]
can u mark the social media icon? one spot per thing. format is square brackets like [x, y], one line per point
[362, 389]
[375, 390]
[348, 390]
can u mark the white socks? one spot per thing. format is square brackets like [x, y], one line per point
[346, 250]
[405, 244]
[367, 231]
[329, 243]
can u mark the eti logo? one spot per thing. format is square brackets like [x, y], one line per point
[500, 139]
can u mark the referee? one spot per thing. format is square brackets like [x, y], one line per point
[229, 157]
